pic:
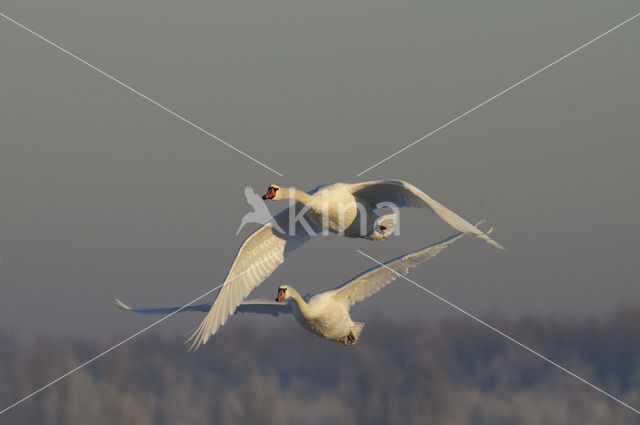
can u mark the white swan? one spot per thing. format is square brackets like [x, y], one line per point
[326, 313]
[348, 209]
[342, 208]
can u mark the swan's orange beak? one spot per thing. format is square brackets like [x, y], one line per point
[271, 193]
[281, 295]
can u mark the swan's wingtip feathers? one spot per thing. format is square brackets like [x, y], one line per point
[121, 305]
[203, 332]
[488, 240]
[484, 236]
[197, 338]
[494, 243]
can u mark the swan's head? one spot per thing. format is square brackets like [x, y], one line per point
[273, 192]
[283, 293]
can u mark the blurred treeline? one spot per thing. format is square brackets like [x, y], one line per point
[451, 372]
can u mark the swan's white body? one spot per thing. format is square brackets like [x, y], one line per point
[336, 208]
[326, 314]
[323, 314]
[266, 248]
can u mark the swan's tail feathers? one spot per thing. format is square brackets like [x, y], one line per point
[385, 227]
[356, 330]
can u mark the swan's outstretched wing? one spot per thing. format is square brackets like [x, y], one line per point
[259, 255]
[273, 308]
[376, 278]
[250, 306]
[404, 194]
[162, 310]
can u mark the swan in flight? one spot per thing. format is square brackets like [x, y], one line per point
[346, 209]
[326, 314]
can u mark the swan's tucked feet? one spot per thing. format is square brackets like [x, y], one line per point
[347, 340]
[384, 228]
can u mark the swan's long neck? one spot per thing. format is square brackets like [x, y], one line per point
[298, 195]
[300, 302]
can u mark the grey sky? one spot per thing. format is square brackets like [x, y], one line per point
[105, 195]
